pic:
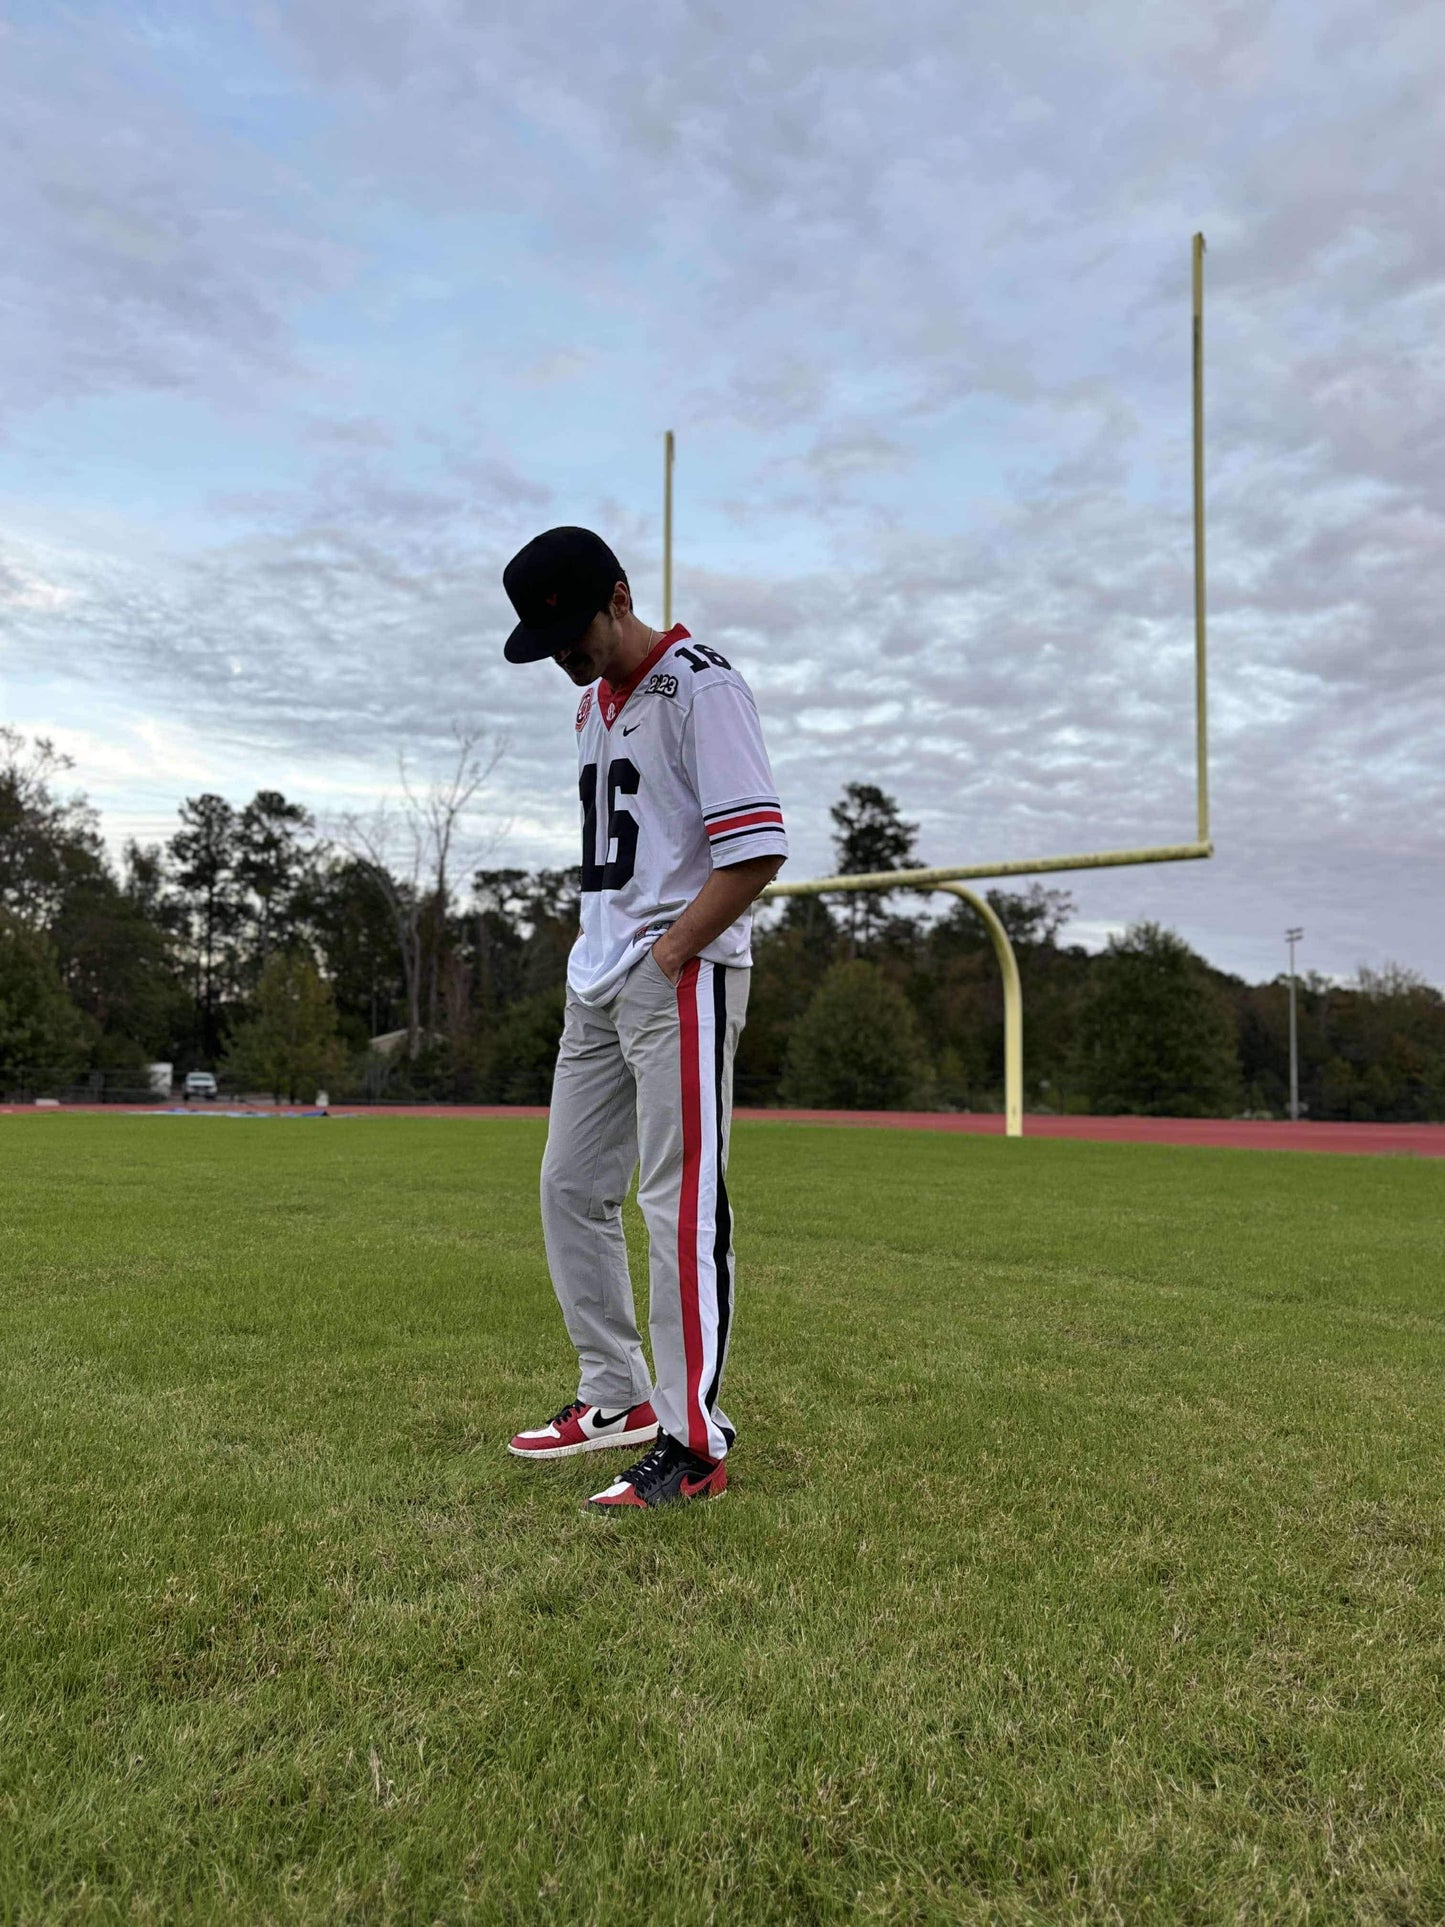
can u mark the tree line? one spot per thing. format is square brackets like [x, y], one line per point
[382, 961]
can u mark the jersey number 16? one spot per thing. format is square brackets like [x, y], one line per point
[613, 872]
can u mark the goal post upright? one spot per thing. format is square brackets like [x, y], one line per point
[669, 447]
[1201, 690]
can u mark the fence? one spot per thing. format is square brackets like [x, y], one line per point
[68, 1084]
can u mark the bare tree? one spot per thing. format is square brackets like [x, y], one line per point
[412, 850]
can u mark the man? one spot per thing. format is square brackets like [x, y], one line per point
[681, 829]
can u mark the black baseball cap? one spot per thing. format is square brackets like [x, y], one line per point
[557, 584]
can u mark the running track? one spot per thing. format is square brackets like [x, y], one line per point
[1235, 1134]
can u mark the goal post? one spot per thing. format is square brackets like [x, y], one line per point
[951, 878]
[668, 449]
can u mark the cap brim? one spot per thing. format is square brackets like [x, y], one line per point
[533, 645]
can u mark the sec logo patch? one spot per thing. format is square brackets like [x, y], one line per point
[584, 708]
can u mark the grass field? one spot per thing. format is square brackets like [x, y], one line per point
[1083, 1560]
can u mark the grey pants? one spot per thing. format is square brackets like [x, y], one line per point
[645, 1082]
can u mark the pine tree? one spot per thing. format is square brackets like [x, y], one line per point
[271, 864]
[203, 862]
[870, 836]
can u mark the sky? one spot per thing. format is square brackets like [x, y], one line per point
[311, 314]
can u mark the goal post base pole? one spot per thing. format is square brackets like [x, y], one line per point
[1013, 1006]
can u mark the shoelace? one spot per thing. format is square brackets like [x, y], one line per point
[652, 1466]
[559, 1419]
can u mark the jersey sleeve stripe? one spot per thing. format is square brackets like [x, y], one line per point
[772, 837]
[748, 820]
[741, 803]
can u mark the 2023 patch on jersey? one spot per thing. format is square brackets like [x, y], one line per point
[675, 781]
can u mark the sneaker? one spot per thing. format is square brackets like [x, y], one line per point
[586, 1428]
[669, 1472]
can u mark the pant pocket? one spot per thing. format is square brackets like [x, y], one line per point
[651, 979]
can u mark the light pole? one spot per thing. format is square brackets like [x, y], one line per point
[1292, 937]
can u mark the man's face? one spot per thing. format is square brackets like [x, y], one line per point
[585, 660]
[589, 656]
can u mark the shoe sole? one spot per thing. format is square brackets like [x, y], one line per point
[591, 1505]
[645, 1435]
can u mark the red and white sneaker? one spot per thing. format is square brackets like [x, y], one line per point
[586, 1428]
[668, 1474]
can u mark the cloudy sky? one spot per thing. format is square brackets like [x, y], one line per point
[312, 313]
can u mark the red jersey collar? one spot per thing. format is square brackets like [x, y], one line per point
[610, 701]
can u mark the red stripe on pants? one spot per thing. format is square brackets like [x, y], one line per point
[687, 1204]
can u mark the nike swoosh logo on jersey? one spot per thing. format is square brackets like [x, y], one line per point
[627, 728]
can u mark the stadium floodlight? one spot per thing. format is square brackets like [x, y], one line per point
[951, 877]
[1292, 937]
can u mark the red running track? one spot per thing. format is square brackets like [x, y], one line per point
[1235, 1134]
[1228, 1133]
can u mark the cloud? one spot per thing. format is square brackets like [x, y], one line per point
[912, 282]
[845, 451]
[161, 251]
[560, 365]
[23, 590]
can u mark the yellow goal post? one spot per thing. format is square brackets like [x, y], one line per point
[953, 879]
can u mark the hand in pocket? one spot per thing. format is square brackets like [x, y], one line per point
[672, 976]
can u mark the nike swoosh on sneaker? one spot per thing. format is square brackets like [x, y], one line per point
[691, 1487]
[600, 1418]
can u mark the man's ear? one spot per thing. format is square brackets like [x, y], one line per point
[621, 601]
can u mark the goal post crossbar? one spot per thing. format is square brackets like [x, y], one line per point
[954, 882]
[972, 872]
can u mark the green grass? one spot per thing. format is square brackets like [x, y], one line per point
[1083, 1560]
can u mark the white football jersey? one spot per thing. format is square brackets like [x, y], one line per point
[675, 782]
